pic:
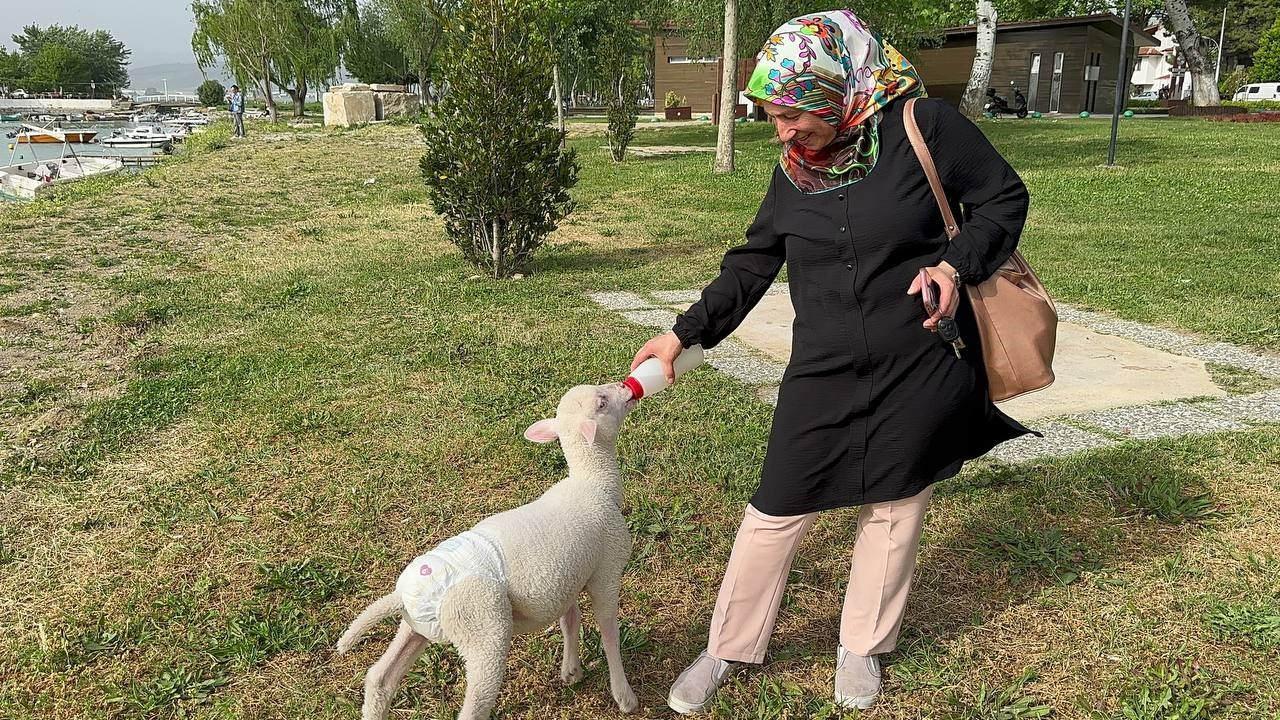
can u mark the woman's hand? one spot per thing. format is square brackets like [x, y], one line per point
[666, 347]
[943, 275]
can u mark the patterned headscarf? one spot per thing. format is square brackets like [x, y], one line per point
[831, 65]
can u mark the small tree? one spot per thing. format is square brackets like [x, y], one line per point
[1232, 81]
[494, 167]
[1266, 62]
[211, 92]
[621, 68]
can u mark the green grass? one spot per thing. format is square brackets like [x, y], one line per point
[291, 386]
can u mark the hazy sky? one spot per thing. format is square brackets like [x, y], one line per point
[158, 31]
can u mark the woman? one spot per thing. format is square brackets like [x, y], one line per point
[874, 407]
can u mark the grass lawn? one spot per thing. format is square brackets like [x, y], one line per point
[240, 391]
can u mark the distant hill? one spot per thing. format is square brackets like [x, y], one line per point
[181, 77]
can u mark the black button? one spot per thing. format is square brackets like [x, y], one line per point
[841, 228]
[849, 265]
[839, 197]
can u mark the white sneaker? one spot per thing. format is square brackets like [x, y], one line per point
[695, 687]
[857, 679]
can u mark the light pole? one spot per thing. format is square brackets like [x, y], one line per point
[1217, 70]
[1122, 83]
[166, 87]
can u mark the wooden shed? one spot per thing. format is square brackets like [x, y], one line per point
[1062, 65]
[691, 76]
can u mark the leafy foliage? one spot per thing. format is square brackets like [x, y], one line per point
[68, 58]
[494, 167]
[211, 92]
[1266, 62]
[368, 51]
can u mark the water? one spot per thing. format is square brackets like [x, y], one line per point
[12, 151]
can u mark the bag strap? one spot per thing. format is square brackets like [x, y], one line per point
[930, 170]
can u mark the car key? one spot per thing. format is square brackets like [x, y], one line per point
[950, 333]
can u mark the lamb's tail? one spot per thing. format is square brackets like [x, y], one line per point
[383, 607]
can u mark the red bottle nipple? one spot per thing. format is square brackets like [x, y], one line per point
[637, 390]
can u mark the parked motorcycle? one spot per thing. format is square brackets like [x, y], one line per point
[997, 105]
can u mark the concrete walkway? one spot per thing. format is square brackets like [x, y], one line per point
[1116, 379]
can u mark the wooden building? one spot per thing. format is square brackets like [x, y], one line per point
[690, 76]
[1062, 65]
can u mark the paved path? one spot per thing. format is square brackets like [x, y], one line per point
[1116, 379]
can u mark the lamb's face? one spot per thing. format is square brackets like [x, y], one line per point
[605, 406]
[593, 412]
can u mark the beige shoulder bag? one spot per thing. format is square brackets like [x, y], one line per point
[1017, 322]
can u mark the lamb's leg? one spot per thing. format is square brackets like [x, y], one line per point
[382, 680]
[571, 628]
[603, 589]
[476, 617]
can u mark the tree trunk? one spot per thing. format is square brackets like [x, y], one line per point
[271, 101]
[1203, 90]
[555, 79]
[728, 88]
[980, 76]
[299, 95]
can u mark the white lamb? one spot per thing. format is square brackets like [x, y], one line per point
[520, 570]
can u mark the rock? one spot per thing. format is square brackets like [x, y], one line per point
[348, 108]
[349, 87]
[395, 104]
[381, 87]
[517, 276]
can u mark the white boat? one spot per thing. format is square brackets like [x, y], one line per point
[188, 120]
[144, 136]
[126, 141]
[26, 180]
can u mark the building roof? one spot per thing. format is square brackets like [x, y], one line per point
[1140, 37]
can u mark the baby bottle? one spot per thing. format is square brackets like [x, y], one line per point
[648, 379]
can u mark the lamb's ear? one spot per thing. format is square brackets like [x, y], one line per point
[588, 428]
[543, 431]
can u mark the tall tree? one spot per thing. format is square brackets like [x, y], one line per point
[417, 29]
[1204, 91]
[306, 52]
[246, 34]
[367, 49]
[728, 89]
[13, 69]
[101, 60]
[983, 55]
[1266, 61]
[58, 67]
[1247, 21]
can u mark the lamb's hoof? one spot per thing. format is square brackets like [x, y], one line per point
[627, 701]
[572, 675]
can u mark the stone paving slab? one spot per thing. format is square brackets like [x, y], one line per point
[1263, 407]
[1059, 439]
[619, 300]
[1157, 421]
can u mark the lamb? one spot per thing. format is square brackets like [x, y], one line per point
[520, 570]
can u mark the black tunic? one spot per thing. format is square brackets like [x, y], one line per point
[873, 406]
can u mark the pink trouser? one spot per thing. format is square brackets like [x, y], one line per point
[884, 559]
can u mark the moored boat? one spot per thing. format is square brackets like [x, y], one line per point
[41, 135]
[27, 180]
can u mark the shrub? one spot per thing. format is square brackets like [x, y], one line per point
[211, 92]
[494, 167]
[674, 99]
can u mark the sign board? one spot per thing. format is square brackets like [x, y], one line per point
[1091, 73]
